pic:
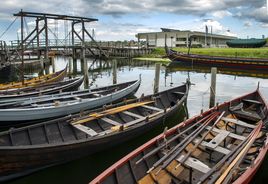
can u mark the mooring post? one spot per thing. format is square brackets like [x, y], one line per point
[114, 64]
[52, 59]
[22, 49]
[213, 87]
[156, 77]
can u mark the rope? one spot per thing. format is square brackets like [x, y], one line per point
[8, 27]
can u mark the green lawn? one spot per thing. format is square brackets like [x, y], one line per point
[233, 52]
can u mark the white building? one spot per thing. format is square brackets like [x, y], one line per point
[180, 38]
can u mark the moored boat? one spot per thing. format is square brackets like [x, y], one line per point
[15, 95]
[27, 149]
[45, 79]
[50, 106]
[218, 61]
[225, 144]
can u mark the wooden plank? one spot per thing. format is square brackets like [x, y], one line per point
[218, 139]
[252, 101]
[132, 114]
[195, 164]
[239, 137]
[86, 129]
[152, 108]
[238, 122]
[178, 93]
[218, 148]
[134, 122]
[110, 121]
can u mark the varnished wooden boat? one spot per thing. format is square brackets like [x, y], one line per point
[25, 150]
[50, 106]
[217, 61]
[15, 95]
[225, 144]
[45, 79]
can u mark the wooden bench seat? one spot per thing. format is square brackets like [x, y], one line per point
[86, 129]
[238, 122]
[195, 164]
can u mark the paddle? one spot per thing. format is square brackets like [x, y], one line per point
[110, 112]
[183, 143]
[149, 154]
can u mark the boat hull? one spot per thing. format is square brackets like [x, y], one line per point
[23, 94]
[16, 115]
[237, 63]
[108, 175]
[27, 159]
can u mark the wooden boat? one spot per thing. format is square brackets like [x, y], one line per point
[45, 79]
[218, 61]
[225, 144]
[65, 103]
[15, 95]
[27, 149]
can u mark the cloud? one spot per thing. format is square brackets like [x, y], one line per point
[247, 24]
[221, 14]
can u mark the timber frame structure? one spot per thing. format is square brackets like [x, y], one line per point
[34, 35]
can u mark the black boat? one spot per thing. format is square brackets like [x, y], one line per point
[31, 148]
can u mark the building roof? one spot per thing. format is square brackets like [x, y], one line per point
[191, 33]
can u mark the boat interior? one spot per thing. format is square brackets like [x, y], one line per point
[216, 147]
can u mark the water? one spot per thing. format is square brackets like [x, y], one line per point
[229, 86]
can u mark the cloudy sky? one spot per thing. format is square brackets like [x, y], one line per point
[121, 19]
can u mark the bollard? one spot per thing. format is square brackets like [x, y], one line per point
[156, 77]
[213, 87]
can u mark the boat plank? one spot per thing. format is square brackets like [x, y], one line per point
[195, 164]
[238, 122]
[232, 135]
[132, 114]
[85, 129]
[110, 121]
[217, 140]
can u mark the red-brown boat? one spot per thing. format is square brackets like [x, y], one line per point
[225, 144]
[218, 61]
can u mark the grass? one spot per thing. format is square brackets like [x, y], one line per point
[232, 52]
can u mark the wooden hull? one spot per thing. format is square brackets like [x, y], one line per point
[46, 79]
[53, 88]
[26, 114]
[20, 160]
[225, 62]
[126, 169]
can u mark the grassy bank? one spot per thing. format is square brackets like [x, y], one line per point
[233, 52]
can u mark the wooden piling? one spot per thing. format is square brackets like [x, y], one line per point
[156, 77]
[213, 87]
[114, 64]
[52, 59]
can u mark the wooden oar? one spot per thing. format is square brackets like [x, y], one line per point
[110, 112]
[149, 154]
[200, 141]
[220, 164]
[188, 141]
[184, 142]
[240, 156]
